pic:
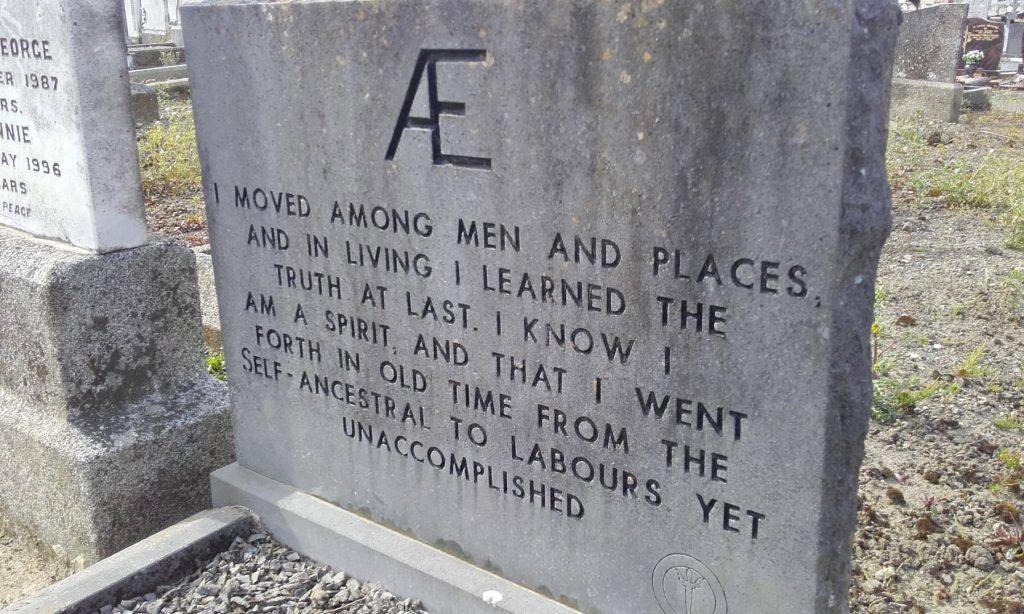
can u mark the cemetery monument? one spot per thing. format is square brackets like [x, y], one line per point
[927, 54]
[108, 421]
[529, 283]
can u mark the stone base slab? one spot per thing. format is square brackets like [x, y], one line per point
[109, 423]
[95, 489]
[941, 101]
[364, 549]
[144, 566]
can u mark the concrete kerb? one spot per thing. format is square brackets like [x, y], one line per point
[178, 87]
[142, 567]
[159, 73]
[345, 541]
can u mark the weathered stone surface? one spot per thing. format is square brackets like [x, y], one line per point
[145, 104]
[606, 180]
[108, 421]
[930, 43]
[69, 140]
[941, 101]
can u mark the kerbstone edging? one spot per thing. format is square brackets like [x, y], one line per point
[142, 567]
[342, 540]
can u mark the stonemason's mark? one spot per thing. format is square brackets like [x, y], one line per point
[684, 585]
[428, 60]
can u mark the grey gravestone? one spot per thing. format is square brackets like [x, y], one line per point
[524, 281]
[68, 159]
[980, 8]
[108, 421]
[1015, 40]
[930, 43]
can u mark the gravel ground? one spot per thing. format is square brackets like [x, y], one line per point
[258, 574]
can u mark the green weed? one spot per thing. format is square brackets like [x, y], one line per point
[893, 398]
[971, 367]
[1008, 423]
[991, 180]
[215, 366]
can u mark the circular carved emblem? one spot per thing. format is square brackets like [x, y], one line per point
[684, 585]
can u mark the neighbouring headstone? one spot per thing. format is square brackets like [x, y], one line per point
[930, 43]
[68, 142]
[108, 420]
[145, 104]
[1015, 40]
[980, 8]
[987, 37]
[528, 282]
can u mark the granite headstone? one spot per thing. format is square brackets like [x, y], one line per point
[987, 37]
[67, 143]
[930, 43]
[527, 281]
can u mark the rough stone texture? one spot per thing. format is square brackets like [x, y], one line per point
[109, 419]
[208, 299]
[598, 120]
[941, 101]
[81, 128]
[143, 566]
[145, 104]
[930, 43]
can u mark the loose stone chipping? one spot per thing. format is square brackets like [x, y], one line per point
[258, 574]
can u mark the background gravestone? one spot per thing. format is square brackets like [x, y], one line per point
[108, 422]
[526, 282]
[1015, 40]
[69, 160]
[930, 43]
[980, 8]
[987, 37]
